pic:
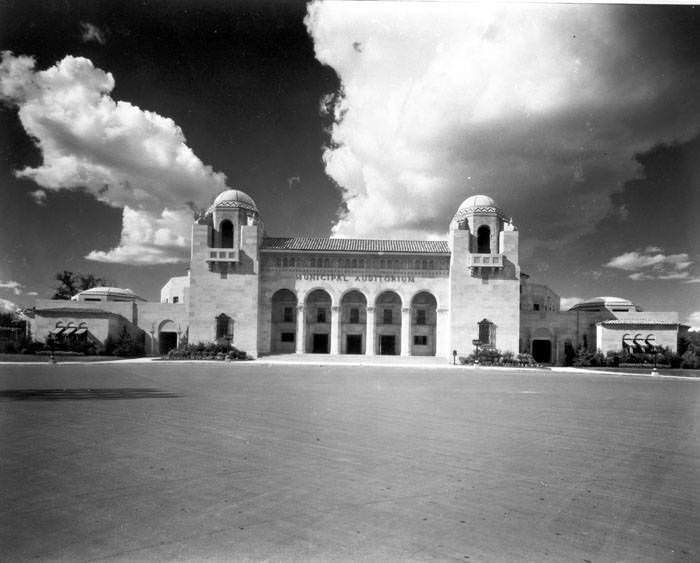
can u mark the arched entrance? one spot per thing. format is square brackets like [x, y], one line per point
[318, 322]
[167, 337]
[423, 324]
[353, 319]
[388, 324]
[283, 322]
[542, 351]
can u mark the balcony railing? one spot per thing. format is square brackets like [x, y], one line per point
[485, 260]
[222, 255]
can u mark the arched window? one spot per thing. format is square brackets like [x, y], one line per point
[486, 332]
[224, 327]
[226, 229]
[483, 240]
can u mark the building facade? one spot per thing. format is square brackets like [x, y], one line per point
[272, 295]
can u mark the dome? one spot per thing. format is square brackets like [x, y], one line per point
[231, 199]
[478, 201]
[477, 204]
[607, 302]
[106, 294]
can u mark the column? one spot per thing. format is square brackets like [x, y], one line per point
[301, 329]
[369, 332]
[335, 329]
[442, 335]
[405, 331]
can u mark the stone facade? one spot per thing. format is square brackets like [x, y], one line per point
[269, 295]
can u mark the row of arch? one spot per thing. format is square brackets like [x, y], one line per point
[317, 323]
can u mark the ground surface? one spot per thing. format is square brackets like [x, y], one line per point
[248, 462]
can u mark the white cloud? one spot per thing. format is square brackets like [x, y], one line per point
[16, 287]
[8, 306]
[653, 264]
[694, 321]
[147, 238]
[91, 32]
[524, 99]
[127, 157]
[39, 196]
[567, 302]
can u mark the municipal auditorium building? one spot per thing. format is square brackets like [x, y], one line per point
[271, 295]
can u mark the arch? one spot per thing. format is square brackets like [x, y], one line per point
[423, 336]
[283, 321]
[353, 322]
[168, 337]
[226, 230]
[318, 311]
[387, 320]
[483, 240]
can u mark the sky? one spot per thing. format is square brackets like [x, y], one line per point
[369, 120]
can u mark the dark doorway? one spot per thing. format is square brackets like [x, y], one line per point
[320, 344]
[387, 345]
[167, 341]
[353, 344]
[542, 351]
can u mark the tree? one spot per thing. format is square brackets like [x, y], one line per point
[72, 283]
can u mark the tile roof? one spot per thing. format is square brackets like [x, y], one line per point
[356, 245]
[640, 322]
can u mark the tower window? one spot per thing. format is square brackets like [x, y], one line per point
[483, 240]
[226, 229]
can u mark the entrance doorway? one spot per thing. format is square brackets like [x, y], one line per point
[542, 351]
[320, 344]
[387, 345]
[353, 344]
[167, 341]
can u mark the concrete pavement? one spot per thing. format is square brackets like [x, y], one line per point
[261, 462]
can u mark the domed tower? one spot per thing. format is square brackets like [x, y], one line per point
[224, 269]
[484, 277]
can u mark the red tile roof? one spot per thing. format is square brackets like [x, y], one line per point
[356, 245]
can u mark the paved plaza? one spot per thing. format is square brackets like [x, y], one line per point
[278, 462]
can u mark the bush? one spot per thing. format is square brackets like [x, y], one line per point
[207, 351]
[126, 345]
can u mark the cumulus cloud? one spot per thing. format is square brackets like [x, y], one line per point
[125, 156]
[148, 238]
[8, 306]
[16, 287]
[694, 321]
[652, 264]
[542, 106]
[91, 32]
[567, 302]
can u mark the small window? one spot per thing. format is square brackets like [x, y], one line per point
[288, 316]
[388, 317]
[420, 317]
[321, 315]
[420, 340]
[176, 299]
[536, 307]
[287, 337]
[486, 332]
[224, 327]
[313, 262]
[354, 315]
